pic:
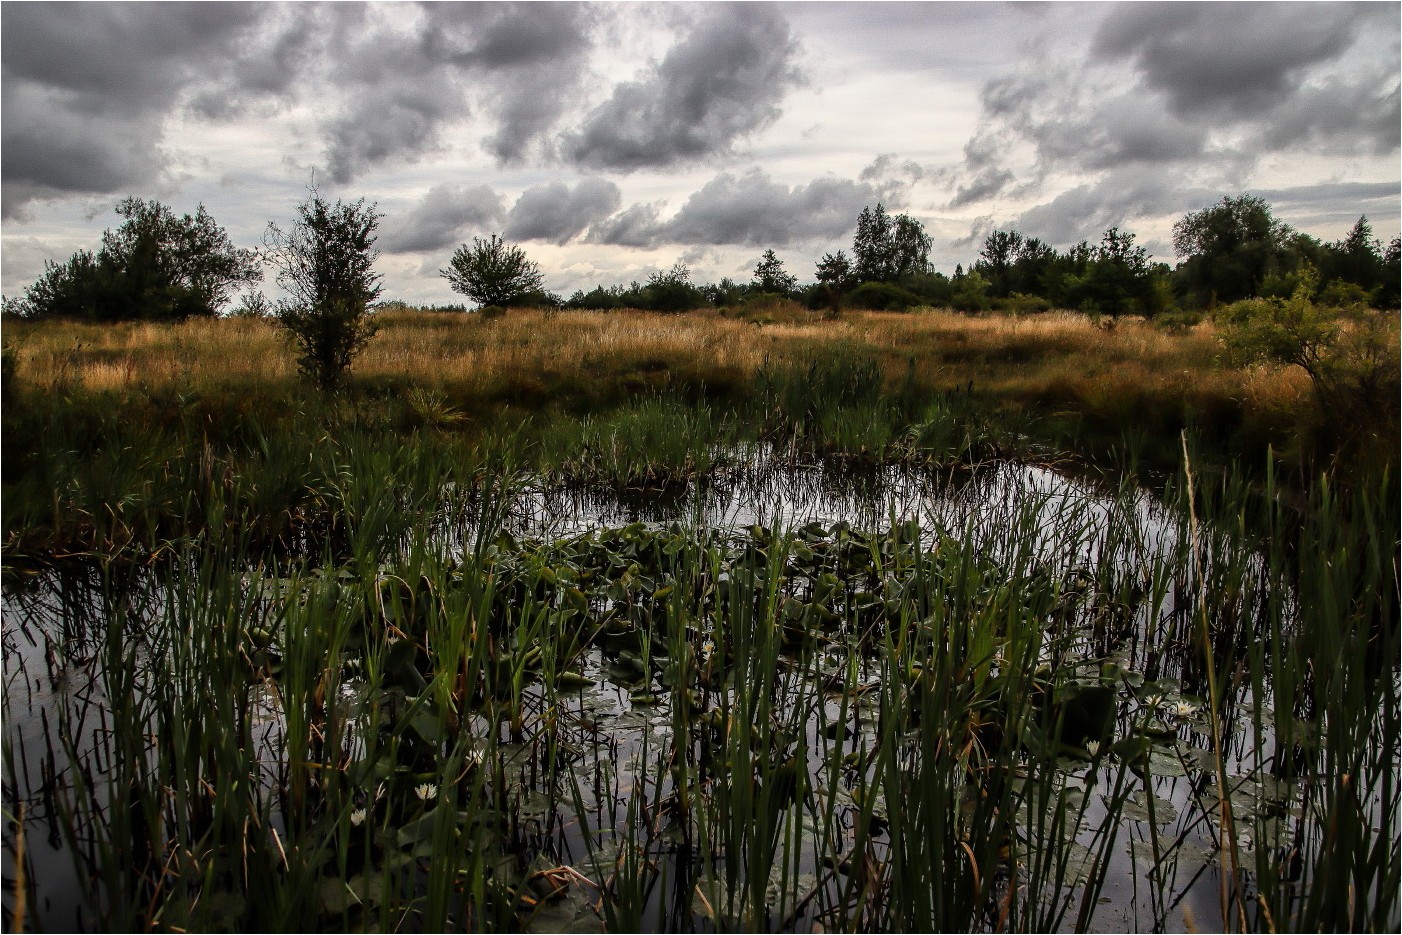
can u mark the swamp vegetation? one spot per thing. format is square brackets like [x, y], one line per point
[564, 621]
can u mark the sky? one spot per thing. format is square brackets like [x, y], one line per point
[612, 140]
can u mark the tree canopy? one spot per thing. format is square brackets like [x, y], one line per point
[770, 275]
[155, 266]
[1230, 248]
[888, 247]
[326, 263]
[493, 272]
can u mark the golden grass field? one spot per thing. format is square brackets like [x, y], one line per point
[1061, 358]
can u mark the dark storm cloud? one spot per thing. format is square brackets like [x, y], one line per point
[1086, 211]
[1072, 125]
[1342, 118]
[1271, 68]
[1207, 57]
[87, 87]
[723, 81]
[396, 121]
[270, 61]
[635, 226]
[528, 58]
[132, 56]
[748, 209]
[983, 186]
[441, 219]
[1213, 84]
[1364, 194]
[555, 213]
[411, 77]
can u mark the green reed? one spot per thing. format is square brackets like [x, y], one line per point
[908, 728]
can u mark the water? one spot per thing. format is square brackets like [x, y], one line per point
[53, 637]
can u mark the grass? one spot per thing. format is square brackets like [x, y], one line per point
[580, 361]
[804, 682]
[610, 400]
[326, 682]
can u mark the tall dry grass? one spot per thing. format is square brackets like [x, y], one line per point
[1060, 357]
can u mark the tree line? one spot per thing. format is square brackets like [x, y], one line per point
[157, 266]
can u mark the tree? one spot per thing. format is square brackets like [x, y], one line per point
[492, 272]
[1119, 277]
[671, 291]
[155, 266]
[886, 248]
[836, 275]
[1230, 248]
[1386, 295]
[771, 277]
[1358, 258]
[1000, 251]
[325, 263]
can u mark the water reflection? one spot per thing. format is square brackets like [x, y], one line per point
[55, 625]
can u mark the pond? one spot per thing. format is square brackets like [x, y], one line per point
[794, 698]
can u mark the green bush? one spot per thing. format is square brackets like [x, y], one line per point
[882, 297]
[156, 266]
[325, 263]
[493, 272]
[1340, 294]
[1178, 322]
[1352, 360]
[970, 293]
[1022, 304]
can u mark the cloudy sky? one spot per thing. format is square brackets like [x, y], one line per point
[612, 140]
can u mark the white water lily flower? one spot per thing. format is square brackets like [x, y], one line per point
[1092, 747]
[357, 817]
[474, 758]
[707, 647]
[1185, 709]
[426, 791]
[1153, 701]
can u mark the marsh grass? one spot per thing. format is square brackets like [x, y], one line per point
[292, 671]
[908, 729]
[463, 373]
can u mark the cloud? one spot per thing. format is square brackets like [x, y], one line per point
[748, 209]
[269, 63]
[528, 59]
[723, 81]
[1210, 89]
[556, 213]
[1238, 58]
[636, 226]
[1333, 192]
[1086, 211]
[391, 122]
[892, 180]
[985, 185]
[441, 218]
[1340, 118]
[87, 88]
[1333, 203]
